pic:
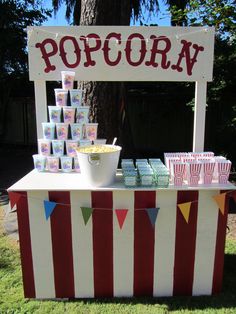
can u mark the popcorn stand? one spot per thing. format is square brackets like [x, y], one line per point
[153, 228]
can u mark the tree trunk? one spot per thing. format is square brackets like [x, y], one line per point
[105, 98]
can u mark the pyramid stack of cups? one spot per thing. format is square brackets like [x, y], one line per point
[68, 128]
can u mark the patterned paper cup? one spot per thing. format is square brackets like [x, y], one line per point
[69, 114]
[76, 131]
[82, 114]
[71, 146]
[58, 147]
[44, 147]
[61, 96]
[39, 162]
[76, 97]
[54, 114]
[48, 130]
[66, 163]
[52, 163]
[76, 164]
[91, 131]
[62, 131]
[68, 78]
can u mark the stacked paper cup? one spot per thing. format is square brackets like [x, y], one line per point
[68, 127]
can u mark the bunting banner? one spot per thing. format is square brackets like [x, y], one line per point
[185, 210]
[48, 208]
[121, 215]
[220, 200]
[232, 206]
[152, 214]
[14, 198]
[86, 212]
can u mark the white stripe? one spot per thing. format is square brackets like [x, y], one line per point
[82, 242]
[41, 245]
[123, 245]
[207, 222]
[164, 251]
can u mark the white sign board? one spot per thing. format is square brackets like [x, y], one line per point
[121, 53]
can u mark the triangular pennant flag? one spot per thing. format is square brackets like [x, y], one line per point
[48, 208]
[86, 212]
[232, 206]
[14, 198]
[185, 210]
[152, 214]
[220, 200]
[121, 215]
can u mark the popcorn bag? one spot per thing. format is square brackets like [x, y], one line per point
[207, 171]
[178, 169]
[224, 167]
[193, 173]
[169, 165]
[217, 159]
[186, 159]
[166, 158]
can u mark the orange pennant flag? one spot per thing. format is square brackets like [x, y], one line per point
[185, 210]
[220, 200]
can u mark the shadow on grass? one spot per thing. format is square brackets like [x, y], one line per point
[225, 299]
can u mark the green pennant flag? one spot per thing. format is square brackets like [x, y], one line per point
[86, 212]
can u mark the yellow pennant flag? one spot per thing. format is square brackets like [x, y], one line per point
[185, 210]
[220, 200]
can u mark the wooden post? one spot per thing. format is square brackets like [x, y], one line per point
[40, 105]
[199, 116]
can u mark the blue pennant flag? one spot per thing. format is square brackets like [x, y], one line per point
[152, 214]
[48, 208]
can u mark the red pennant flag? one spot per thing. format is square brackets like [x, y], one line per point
[121, 215]
[14, 198]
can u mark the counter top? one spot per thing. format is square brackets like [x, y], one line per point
[35, 180]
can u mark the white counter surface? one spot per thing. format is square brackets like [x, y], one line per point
[73, 181]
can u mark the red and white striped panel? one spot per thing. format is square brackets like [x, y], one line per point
[64, 258]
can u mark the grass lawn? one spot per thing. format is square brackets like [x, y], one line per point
[12, 300]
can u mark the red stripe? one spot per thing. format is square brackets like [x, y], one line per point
[102, 204]
[25, 246]
[144, 237]
[220, 247]
[62, 245]
[185, 244]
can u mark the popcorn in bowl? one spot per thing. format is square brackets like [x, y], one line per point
[93, 149]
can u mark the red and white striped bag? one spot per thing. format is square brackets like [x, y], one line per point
[224, 167]
[178, 170]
